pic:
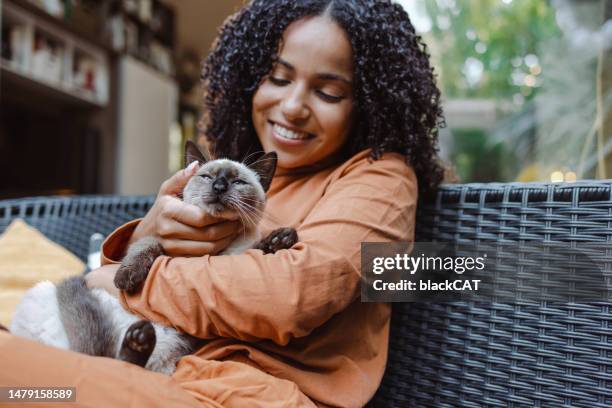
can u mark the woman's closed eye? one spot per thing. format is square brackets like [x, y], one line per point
[325, 95]
[278, 81]
[328, 97]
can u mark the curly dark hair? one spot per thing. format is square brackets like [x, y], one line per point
[396, 100]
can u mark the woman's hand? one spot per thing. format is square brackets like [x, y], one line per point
[184, 229]
[103, 278]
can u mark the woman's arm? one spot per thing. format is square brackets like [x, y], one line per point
[182, 229]
[255, 296]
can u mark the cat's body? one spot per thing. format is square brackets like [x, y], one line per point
[47, 315]
[72, 317]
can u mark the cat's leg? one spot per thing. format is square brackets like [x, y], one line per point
[136, 264]
[138, 343]
[170, 347]
[282, 238]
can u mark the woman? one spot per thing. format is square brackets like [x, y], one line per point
[343, 91]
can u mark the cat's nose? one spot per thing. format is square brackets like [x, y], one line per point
[220, 185]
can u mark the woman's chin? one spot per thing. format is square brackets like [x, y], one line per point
[289, 161]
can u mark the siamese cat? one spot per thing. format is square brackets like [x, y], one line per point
[91, 321]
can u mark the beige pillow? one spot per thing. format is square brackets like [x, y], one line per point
[28, 257]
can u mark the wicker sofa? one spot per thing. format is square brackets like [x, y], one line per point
[459, 354]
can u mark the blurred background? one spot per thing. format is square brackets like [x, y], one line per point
[98, 96]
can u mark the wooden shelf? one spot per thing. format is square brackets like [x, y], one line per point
[70, 48]
[59, 105]
[41, 87]
[42, 15]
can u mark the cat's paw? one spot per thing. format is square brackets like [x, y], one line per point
[140, 337]
[138, 343]
[129, 277]
[136, 264]
[282, 238]
[3, 328]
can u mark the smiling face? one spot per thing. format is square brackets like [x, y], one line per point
[303, 108]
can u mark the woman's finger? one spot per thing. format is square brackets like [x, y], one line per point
[179, 231]
[103, 278]
[185, 213]
[174, 247]
[175, 184]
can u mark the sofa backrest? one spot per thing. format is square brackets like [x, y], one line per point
[70, 221]
[450, 354]
[523, 353]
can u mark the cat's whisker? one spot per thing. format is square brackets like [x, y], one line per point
[251, 211]
[263, 160]
[244, 207]
[253, 202]
[264, 215]
[251, 155]
[245, 219]
[252, 214]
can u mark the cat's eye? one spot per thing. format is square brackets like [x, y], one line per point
[206, 177]
[238, 182]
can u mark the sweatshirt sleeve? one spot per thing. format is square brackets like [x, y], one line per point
[114, 246]
[288, 294]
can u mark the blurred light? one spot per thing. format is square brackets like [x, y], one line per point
[480, 47]
[507, 1]
[470, 34]
[446, 4]
[570, 177]
[518, 77]
[517, 62]
[444, 22]
[556, 177]
[535, 70]
[531, 60]
[472, 70]
[530, 80]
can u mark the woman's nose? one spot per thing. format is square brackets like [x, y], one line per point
[294, 106]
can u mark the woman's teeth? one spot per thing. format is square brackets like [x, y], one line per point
[290, 134]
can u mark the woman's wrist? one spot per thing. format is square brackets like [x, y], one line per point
[139, 232]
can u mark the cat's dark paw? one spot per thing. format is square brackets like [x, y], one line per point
[3, 328]
[136, 264]
[138, 343]
[282, 238]
[129, 277]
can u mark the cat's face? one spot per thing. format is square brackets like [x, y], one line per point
[227, 189]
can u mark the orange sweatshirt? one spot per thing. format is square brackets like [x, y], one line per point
[295, 314]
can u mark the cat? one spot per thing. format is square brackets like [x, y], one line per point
[71, 316]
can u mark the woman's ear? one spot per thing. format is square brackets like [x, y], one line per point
[193, 153]
[265, 167]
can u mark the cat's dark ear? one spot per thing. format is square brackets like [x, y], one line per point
[265, 167]
[193, 153]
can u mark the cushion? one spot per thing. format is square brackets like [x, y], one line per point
[28, 257]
